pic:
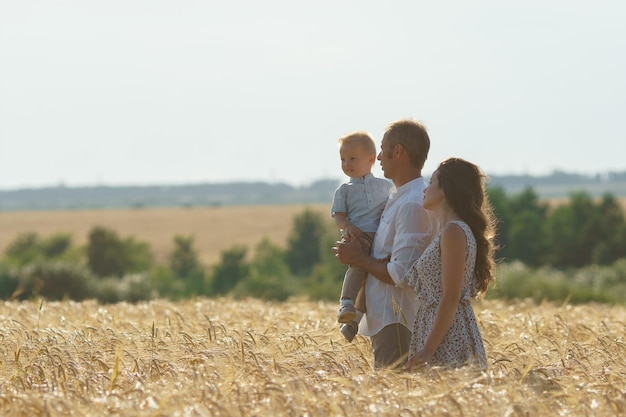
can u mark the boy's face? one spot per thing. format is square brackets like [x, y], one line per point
[356, 161]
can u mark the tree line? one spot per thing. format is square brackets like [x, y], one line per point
[579, 232]
[574, 234]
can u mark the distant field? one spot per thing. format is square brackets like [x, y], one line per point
[564, 200]
[214, 228]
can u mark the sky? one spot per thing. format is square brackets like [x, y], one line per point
[149, 92]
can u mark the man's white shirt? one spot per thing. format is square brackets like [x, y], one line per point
[406, 229]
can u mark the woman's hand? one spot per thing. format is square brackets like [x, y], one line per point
[418, 361]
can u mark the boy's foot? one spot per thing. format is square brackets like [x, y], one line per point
[347, 312]
[349, 330]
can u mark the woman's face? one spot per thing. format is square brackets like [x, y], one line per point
[433, 194]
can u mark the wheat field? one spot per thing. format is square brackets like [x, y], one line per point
[221, 357]
[214, 228]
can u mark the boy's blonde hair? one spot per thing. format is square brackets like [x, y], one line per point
[360, 137]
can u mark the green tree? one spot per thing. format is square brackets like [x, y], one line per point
[526, 235]
[502, 211]
[570, 233]
[231, 269]
[185, 265]
[29, 247]
[138, 255]
[105, 253]
[327, 276]
[609, 231]
[165, 284]
[269, 276]
[9, 279]
[305, 242]
[56, 245]
[56, 280]
[269, 260]
[109, 255]
[184, 259]
[24, 249]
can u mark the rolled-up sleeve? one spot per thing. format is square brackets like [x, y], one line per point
[414, 231]
[339, 201]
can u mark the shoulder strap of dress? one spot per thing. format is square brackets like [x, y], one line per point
[464, 226]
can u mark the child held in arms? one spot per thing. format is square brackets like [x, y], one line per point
[356, 209]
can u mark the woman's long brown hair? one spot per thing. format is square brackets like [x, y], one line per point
[463, 185]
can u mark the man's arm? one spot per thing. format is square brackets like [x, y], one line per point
[415, 228]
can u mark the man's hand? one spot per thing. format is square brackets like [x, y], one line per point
[354, 254]
[350, 252]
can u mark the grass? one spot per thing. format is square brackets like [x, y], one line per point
[224, 358]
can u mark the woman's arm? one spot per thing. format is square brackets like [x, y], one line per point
[453, 244]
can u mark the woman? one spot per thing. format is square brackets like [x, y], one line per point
[456, 267]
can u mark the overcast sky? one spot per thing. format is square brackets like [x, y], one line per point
[168, 92]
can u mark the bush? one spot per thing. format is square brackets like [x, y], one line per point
[327, 276]
[9, 280]
[325, 282]
[269, 276]
[135, 287]
[56, 280]
[265, 287]
[183, 260]
[23, 249]
[131, 288]
[231, 269]
[108, 290]
[305, 242]
[589, 284]
[108, 255]
[28, 248]
[164, 284]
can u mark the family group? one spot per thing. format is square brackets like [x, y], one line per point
[418, 253]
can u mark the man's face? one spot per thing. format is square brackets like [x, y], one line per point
[386, 157]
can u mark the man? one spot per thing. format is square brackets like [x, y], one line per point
[405, 230]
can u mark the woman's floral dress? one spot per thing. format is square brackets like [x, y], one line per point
[463, 343]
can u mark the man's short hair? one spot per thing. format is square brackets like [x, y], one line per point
[413, 137]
